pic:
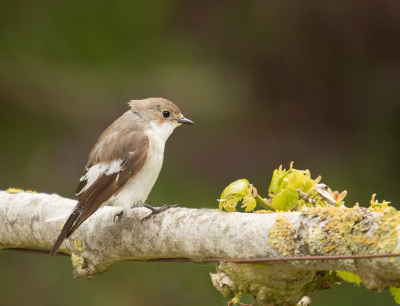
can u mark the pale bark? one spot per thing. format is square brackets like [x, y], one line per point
[208, 233]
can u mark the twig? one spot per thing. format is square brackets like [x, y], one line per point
[264, 204]
[306, 196]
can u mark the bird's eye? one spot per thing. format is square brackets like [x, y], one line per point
[166, 114]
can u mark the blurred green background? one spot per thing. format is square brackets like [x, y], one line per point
[267, 82]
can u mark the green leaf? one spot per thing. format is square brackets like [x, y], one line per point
[300, 203]
[283, 185]
[349, 277]
[274, 186]
[231, 203]
[236, 299]
[250, 202]
[309, 186]
[393, 290]
[396, 293]
[295, 180]
[277, 182]
[233, 194]
[238, 187]
[285, 200]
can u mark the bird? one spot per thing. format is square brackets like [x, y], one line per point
[124, 164]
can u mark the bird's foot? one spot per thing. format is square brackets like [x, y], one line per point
[156, 211]
[119, 214]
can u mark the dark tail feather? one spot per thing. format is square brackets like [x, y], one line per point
[66, 229]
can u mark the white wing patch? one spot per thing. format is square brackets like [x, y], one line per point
[59, 215]
[96, 171]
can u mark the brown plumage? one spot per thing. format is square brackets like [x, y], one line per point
[109, 185]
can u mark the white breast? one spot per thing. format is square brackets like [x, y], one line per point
[139, 187]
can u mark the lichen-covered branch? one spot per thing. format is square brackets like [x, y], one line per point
[208, 233]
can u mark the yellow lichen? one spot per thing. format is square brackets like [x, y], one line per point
[263, 211]
[77, 262]
[14, 190]
[327, 239]
[78, 245]
[387, 230]
[353, 231]
[283, 236]
[31, 191]
[382, 239]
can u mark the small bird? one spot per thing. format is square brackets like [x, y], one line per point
[124, 163]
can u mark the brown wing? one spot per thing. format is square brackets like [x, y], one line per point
[130, 154]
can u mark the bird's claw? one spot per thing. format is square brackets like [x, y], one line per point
[118, 215]
[155, 211]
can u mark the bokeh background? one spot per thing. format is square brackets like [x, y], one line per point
[267, 82]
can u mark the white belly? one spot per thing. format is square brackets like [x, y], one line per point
[138, 188]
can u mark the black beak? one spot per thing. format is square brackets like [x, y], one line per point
[185, 121]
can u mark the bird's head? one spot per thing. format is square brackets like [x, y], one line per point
[162, 115]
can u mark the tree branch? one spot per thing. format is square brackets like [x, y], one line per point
[200, 234]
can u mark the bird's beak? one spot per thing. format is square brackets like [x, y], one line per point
[185, 121]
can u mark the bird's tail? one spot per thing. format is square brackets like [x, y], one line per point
[66, 230]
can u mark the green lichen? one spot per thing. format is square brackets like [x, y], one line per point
[275, 284]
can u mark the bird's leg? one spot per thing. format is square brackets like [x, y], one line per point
[119, 214]
[156, 211]
[138, 204]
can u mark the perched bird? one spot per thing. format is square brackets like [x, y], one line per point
[124, 163]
